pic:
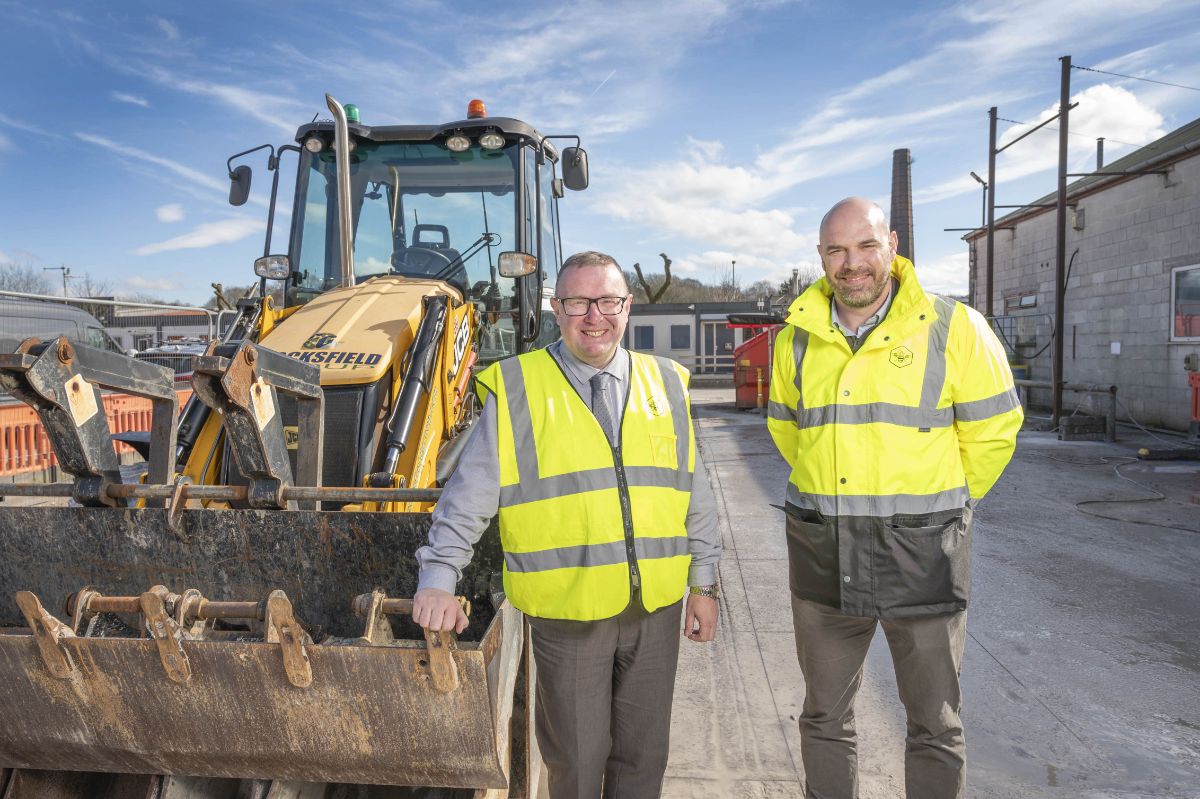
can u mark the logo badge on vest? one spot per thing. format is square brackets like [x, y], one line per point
[901, 357]
[653, 406]
[320, 341]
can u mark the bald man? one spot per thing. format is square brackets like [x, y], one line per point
[897, 413]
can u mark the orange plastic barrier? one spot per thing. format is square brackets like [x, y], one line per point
[25, 447]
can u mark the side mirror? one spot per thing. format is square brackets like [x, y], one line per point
[239, 185]
[273, 267]
[516, 264]
[575, 168]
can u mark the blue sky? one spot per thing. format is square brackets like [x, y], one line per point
[717, 130]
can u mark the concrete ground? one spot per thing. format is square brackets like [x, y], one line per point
[1081, 667]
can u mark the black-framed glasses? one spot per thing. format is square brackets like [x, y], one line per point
[578, 306]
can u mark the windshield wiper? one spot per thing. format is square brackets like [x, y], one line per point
[484, 240]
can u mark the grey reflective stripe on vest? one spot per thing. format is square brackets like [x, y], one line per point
[557, 485]
[935, 353]
[875, 413]
[532, 487]
[521, 422]
[663, 547]
[881, 505]
[584, 555]
[566, 557]
[561, 485]
[677, 401]
[986, 408]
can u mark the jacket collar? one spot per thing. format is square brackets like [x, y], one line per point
[811, 310]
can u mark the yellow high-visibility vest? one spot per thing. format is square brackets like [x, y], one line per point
[580, 521]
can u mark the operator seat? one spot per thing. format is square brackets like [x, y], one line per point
[430, 253]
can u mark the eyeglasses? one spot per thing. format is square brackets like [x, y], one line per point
[579, 306]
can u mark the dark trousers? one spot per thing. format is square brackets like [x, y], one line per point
[604, 691]
[927, 652]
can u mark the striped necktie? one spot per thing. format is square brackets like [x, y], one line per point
[600, 383]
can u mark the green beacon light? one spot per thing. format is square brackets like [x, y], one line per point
[352, 113]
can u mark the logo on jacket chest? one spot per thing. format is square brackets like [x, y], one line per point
[901, 357]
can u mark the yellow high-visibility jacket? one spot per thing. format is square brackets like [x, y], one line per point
[886, 446]
[582, 522]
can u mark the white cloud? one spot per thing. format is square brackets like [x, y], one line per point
[269, 107]
[5, 143]
[1104, 110]
[132, 99]
[209, 234]
[945, 275]
[193, 175]
[168, 28]
[151, 283]
[19, 124]
[172, 212]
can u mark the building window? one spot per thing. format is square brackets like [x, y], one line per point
[1185, 303]
[681, 337]
[643, 337]
[1020, 302]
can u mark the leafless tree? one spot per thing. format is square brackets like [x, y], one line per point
[654, 295]
[23, 277]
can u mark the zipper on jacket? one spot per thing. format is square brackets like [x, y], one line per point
[626, 517]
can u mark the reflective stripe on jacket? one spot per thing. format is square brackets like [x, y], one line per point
[580, 520]
[886, 446]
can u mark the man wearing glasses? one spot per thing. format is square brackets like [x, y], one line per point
[586, 452]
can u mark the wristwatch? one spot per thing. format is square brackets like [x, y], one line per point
[710, 591]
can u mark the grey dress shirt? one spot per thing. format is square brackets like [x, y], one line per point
[472, 495]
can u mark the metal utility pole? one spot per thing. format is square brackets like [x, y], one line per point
[66, 274]
[1099, 153]
[990, 194]
[1060, 239]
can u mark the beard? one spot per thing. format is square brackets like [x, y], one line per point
[862, 296]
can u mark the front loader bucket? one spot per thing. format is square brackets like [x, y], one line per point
[347, 705]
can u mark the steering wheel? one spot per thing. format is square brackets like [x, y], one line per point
[423, 259]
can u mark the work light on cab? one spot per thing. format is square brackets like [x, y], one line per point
[491, 140]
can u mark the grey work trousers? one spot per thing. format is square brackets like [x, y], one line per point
[604, 691]
[927, 652]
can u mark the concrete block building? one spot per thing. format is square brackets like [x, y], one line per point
[694, 334]
[1132, 299]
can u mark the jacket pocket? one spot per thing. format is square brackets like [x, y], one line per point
[813, 557]
[924, 568]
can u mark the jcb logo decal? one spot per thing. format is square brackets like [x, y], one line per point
[901, 357]
[319, 341]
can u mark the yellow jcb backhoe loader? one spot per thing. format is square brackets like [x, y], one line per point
[236, 622]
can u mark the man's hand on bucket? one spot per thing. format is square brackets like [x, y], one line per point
[438, 610]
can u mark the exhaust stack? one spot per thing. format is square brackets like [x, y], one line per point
[341, 151]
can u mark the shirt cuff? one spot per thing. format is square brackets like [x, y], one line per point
[435, 575]
[702, 575]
